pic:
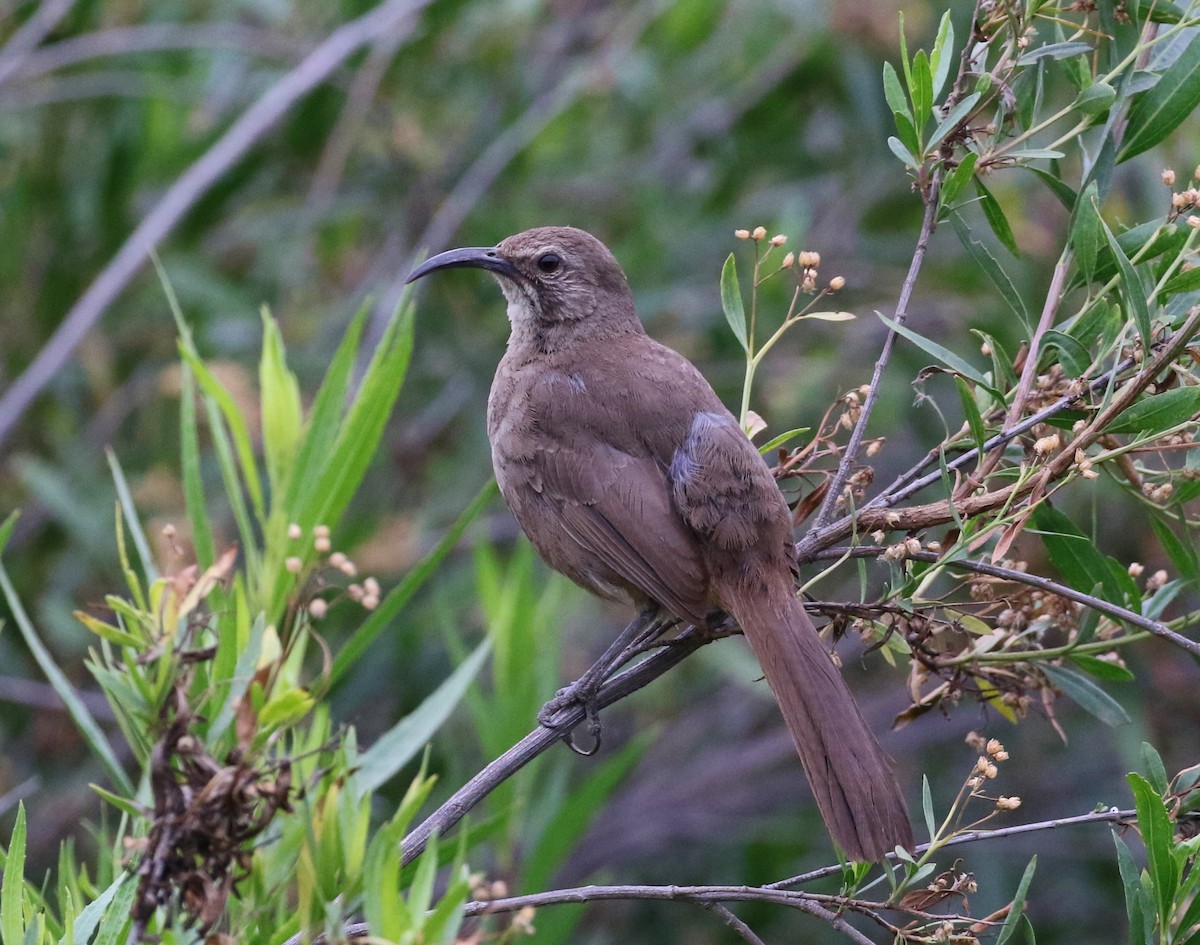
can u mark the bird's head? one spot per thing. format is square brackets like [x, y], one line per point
[551, 275]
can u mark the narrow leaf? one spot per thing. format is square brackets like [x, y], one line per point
[991, 268]
[1158, 412]
[1186, 281]
[1090, 697]
[942, 54]
[1158, 112]
[383, 615]
[971, 411]
[943, 354]
[957, 180]
[921, 89]
[1152, 764]
[1158, 834]
[1101, 669]
[280, 406]
[12, 885]
[92, 734]
[1087, 231]
[400, 744]
[996, 218]
[1017, 908]
[893, 93]
[952, 120]
[731, 301]
[1073, 355]
[1133, 291]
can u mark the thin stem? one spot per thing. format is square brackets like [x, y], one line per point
[846, 466]
[189, 188]
[1115, 611]
[542, 738]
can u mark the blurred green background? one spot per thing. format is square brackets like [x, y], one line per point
[659, 126]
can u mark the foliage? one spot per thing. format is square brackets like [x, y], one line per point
[1006, 563]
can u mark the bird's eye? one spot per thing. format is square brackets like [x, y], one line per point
[549, 262]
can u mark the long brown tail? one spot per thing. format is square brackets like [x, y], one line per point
[853, 780]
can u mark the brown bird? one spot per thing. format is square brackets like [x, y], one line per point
[630, 477]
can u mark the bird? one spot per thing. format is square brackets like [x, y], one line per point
[629, 475]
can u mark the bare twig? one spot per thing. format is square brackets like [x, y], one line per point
[1114, 611]
[160, 37]
[189, 187]
[542, 738]
[1111, 815]
[340, 142]
[725, 915]
[30, 35]
[846, 465]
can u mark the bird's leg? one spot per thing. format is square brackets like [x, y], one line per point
[647, 626]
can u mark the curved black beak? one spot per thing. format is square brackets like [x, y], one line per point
[473, 257]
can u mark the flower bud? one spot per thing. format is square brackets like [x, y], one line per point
[293, 564]
[317, 608]
[742, 234]
[1168, 177]
[837, 283]
[778, 240]
[760, 233]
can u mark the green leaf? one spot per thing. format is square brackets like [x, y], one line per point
[1090, 697]
[280, 407]
[193, 482]
[1132, 289]
[91, 914]
[360, 433]
[1155, 413]
[400, 744]
[775, 442]
[1137, 906]
[921, 89]
[1018, 904]
[996, 218]
[238, 428]
[952, 120]
[1158, 834]
[1073, 355]
[927, 806]
[907, 158]
[1087, 231]
[731, 301]
[1096, 99]
[6, 530]
[1159, 111]
[116, 917]
[1054, 51]
[1065, 195]
[991, 268]
[907, 134]
[1152, 764]
[893, 93]
[92, 734]
[1074, 554]
[942, 54]
[943, 354]
[12, 885]
[394, 601]
[1186, 281]
[1182, 554]
[1101, 669]
[131, 517]
[957, 180]
[123, 804]
[971, 411]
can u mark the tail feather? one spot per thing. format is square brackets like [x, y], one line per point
[852, 779]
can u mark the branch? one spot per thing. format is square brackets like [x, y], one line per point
[193, 184]
[30, 35]
[1112, 815]
[1115, 611]
[160, 37]
[541, 738]
[928, 225]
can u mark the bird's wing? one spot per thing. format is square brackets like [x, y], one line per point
[618, 507]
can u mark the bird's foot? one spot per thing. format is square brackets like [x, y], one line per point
[568, 698]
